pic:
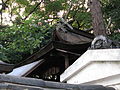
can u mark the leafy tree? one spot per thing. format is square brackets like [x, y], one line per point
[34, 20]
[112, 17]
[22, 40]
[111, 11]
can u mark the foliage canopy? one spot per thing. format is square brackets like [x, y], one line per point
[34, 20]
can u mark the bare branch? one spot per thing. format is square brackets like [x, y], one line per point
[33, 10]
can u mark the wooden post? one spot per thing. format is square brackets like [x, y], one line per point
[66, 61]
[97, 18]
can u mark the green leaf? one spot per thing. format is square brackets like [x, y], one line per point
[54, 6]
[23, 2]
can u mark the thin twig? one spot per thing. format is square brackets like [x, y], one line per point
[33, 10]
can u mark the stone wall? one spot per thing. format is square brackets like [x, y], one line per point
[21, 83]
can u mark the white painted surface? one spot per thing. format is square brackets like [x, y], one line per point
[100, 66]
[95, 71]
[107, 81]
[20, 71]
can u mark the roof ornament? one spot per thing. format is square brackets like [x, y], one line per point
[103, 42]
[63, 25]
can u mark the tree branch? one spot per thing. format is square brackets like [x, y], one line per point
[33, 10]
[3, 5]
[67, 14]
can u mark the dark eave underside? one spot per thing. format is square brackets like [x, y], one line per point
[82, 33]
[59, 46]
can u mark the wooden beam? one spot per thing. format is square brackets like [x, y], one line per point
[71, 47]
[43, 51]
[31, 70]
[68, 52]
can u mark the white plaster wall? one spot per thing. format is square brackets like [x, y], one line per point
[94, 71]
[107, 81]
[89, 57]
[95, 67]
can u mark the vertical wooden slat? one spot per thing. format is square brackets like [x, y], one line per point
[66, 61]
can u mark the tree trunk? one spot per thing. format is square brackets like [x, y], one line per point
[1, 18]
[97, 18]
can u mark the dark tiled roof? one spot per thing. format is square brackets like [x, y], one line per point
[5, 67]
